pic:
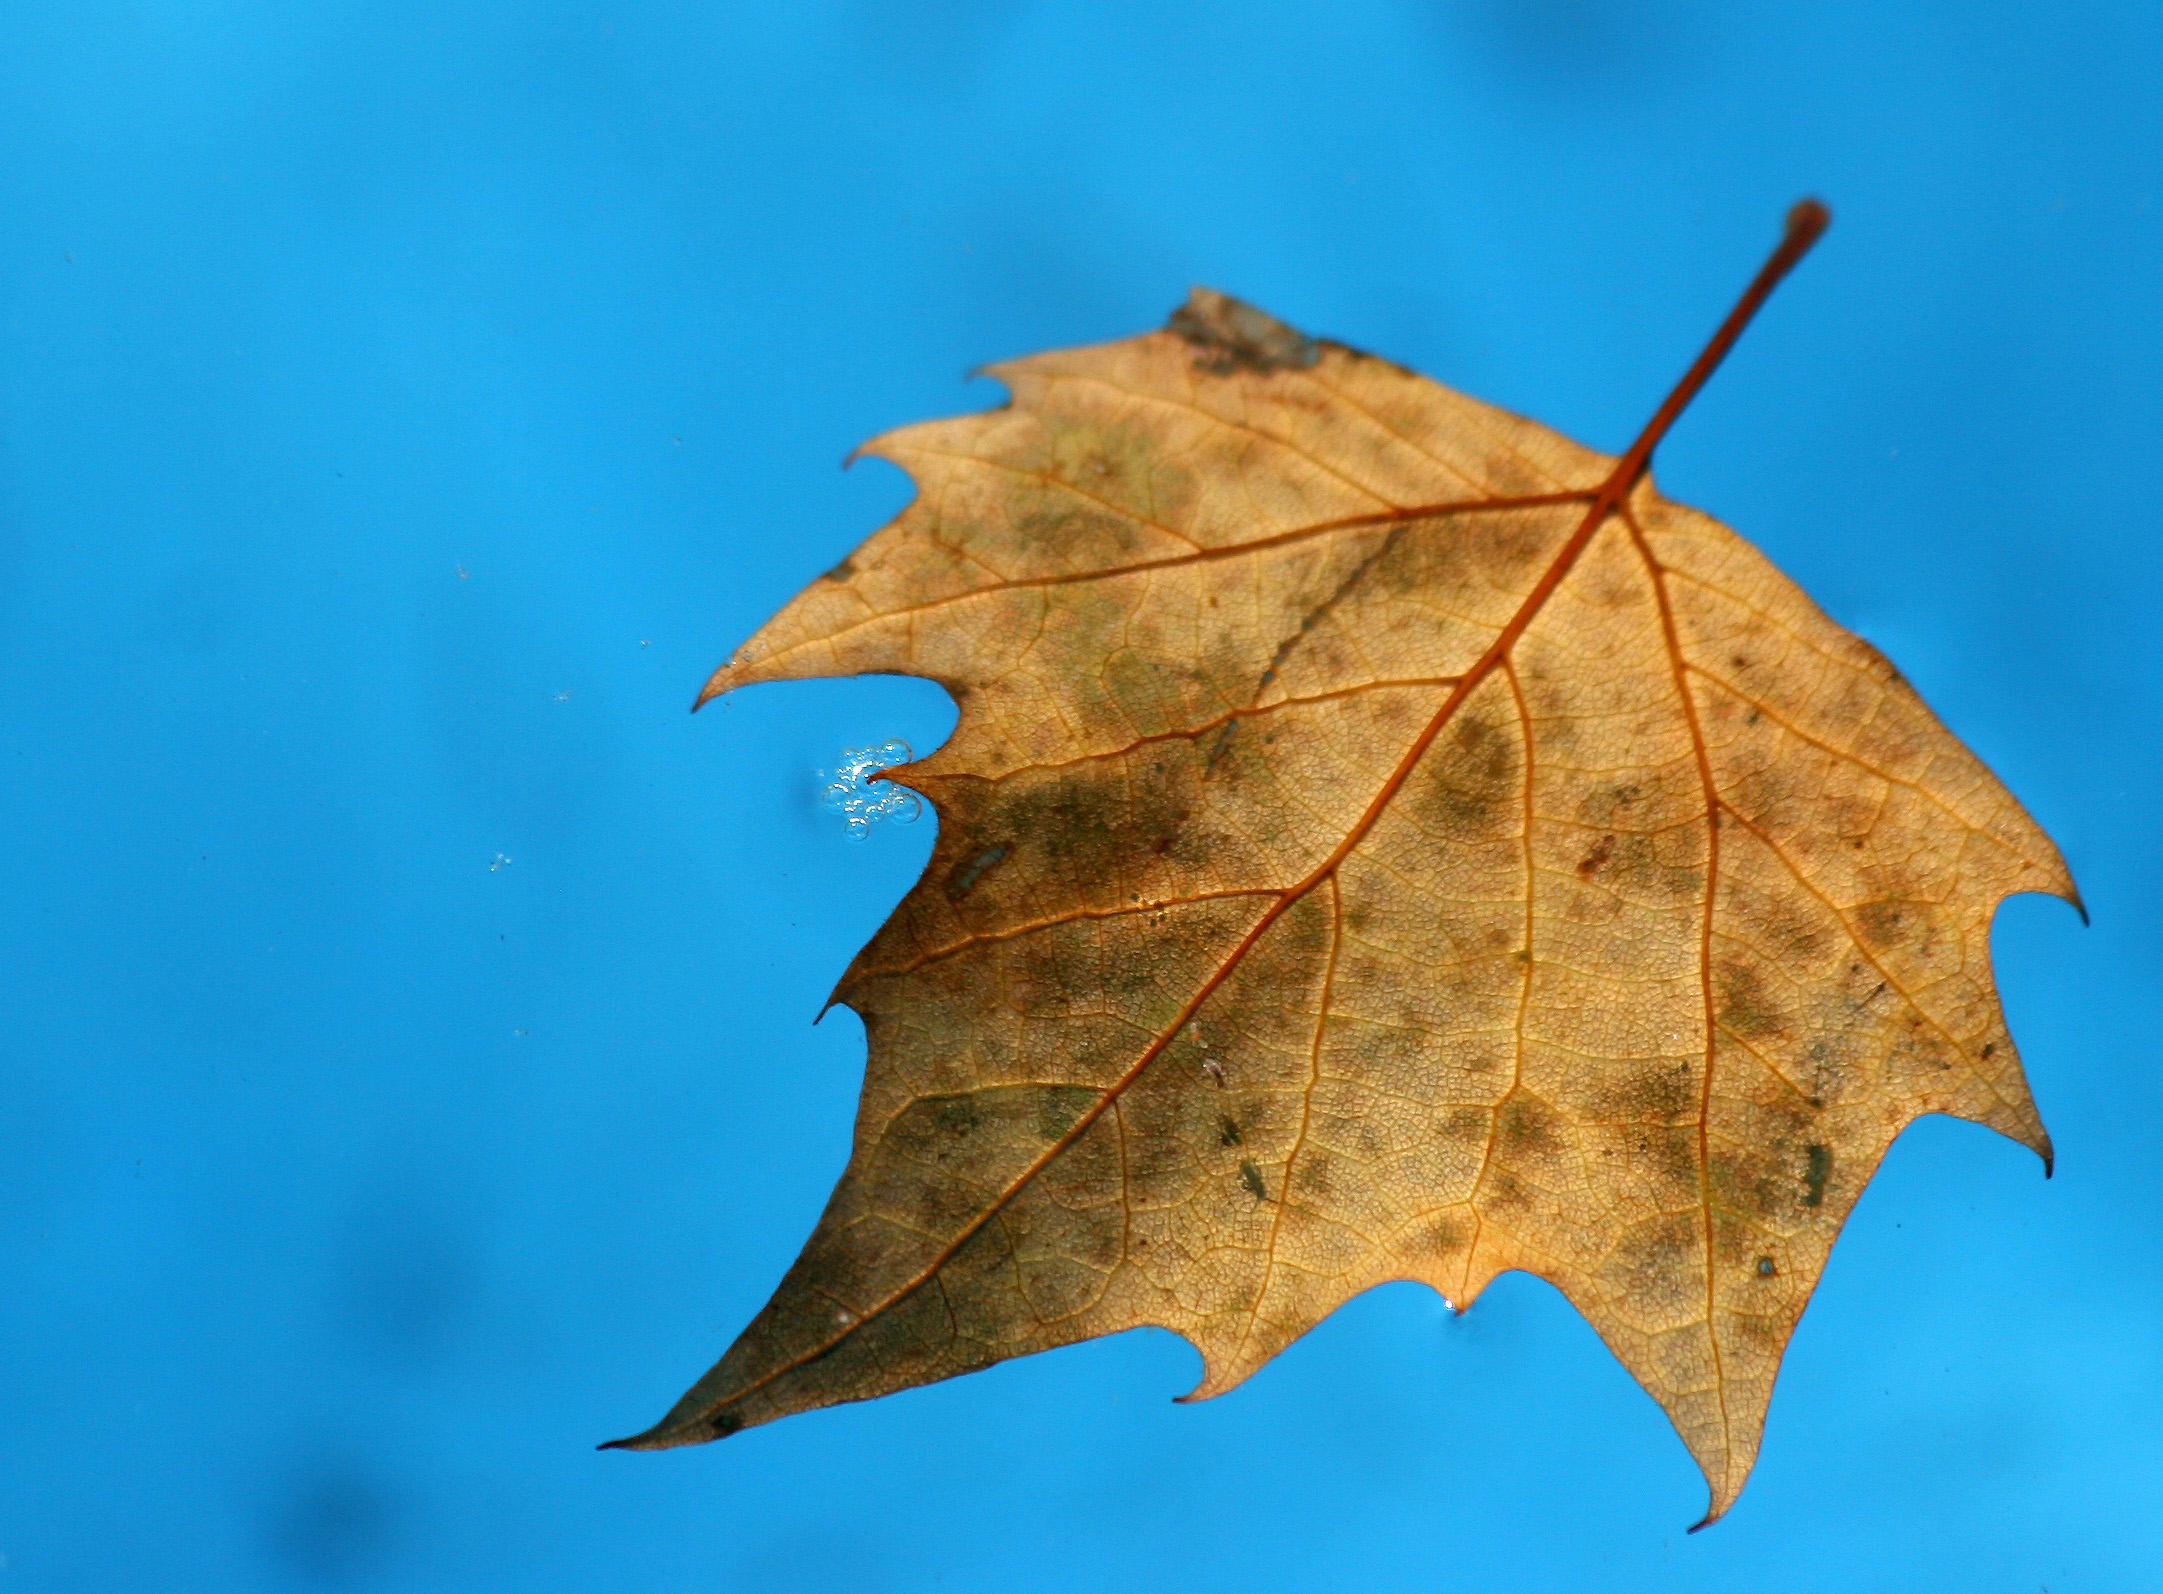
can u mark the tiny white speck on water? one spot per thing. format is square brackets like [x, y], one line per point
[851, 792]
[500, 861]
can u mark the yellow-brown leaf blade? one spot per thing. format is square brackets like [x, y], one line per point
[1376, 843]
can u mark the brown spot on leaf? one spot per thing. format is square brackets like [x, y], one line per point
[963, 877]
[1463, 1125]
[1745, 1007]
[1438, 1237]
[957, 1115]
[1886, 924]
[1595, 856]
[1527, 1127]
[1233, 335]
[1817, 1168]
[1470, 783]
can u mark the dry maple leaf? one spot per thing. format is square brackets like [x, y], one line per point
[1381, 840]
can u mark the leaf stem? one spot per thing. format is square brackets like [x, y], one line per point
[1806, 223]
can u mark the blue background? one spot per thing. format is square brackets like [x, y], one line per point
[406, 404]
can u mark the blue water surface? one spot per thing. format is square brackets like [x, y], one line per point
[407, 1075]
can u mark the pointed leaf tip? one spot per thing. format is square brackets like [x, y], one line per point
[667, 1435]
[1235, 336]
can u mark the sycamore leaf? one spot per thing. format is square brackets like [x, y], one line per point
[1382, 839]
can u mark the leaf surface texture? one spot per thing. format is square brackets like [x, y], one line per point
[1379, 841]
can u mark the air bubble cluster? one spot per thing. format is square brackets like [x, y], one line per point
[852, 793]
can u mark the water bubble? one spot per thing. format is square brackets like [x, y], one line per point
[850, 791]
